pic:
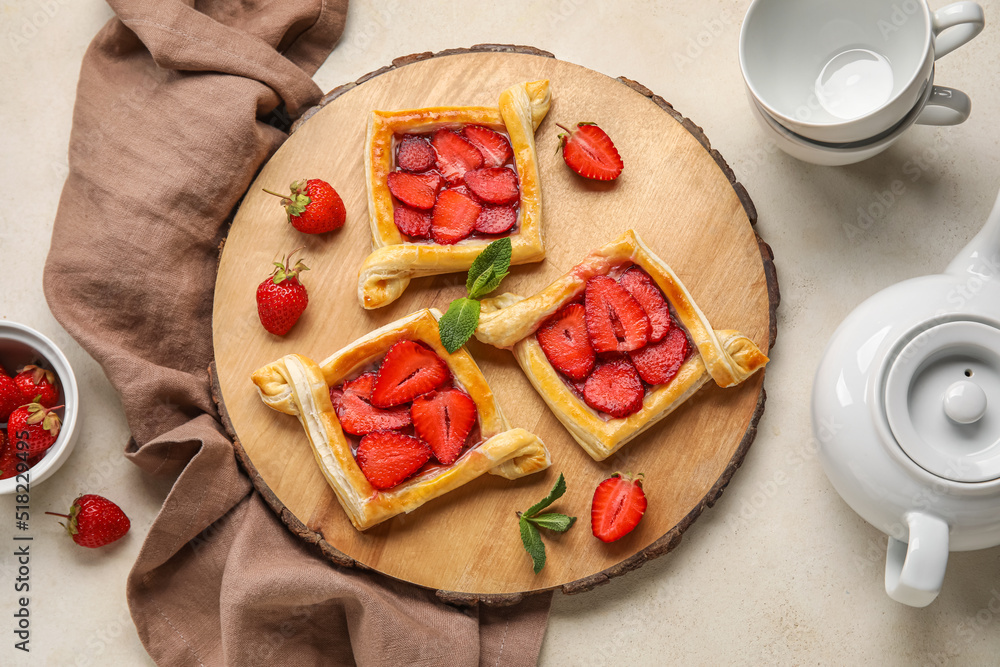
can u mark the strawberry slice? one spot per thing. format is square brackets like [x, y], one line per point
[408, 370]
[414, 153]
[416, 190]
[356, 413]
[563, 338]
[614, 388]
[387, 458]
[454, 217]
[642, 288]
[496, 219]
[493, 146]
[443, 419]
[619, 503]
[494, 185]
[658, 363]
[589, 151]
[615, 321]
[413, 223]
[455, 155]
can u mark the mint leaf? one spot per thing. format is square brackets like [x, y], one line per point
[553, 521]
[458, 323]
[484, 279]
[557, 490]
[494, 260]
[532, 541]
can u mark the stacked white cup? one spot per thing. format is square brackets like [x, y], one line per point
[836, 82]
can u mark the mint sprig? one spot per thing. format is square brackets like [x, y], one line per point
[489, 268]
[530, 521]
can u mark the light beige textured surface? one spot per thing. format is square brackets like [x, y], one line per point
[781, 571]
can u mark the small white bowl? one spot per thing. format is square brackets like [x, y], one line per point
[20, 345]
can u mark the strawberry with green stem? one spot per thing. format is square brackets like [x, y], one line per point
[34, 425]
[39, 382]
[94, 521]
[281, 298]
[313, 207]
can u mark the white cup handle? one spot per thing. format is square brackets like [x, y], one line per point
[961, 20]
[914, 570]
[945, 106]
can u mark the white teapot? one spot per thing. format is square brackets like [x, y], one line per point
[906, 406]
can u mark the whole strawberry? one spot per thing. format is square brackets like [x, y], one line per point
[95, 521]
[314, 207]
[281, 298]
[10, 395]
[34, 424]
[38, 383]
[589, 151]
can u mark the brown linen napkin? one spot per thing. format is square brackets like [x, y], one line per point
[167, 135]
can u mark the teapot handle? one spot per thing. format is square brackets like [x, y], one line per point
[914, 569]
[983, 250]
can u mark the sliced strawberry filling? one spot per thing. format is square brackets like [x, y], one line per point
[455, 155]
[496, 219]
[642, 288]
[454, 217]
[407, 413]
[615, 321]
[564, 341]
[415, 154]
[604, 348]
[408, 370]
[415, 190]
[443, 419]
[474, 162]
[387, 457]
[493, 146]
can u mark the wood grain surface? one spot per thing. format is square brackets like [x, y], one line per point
[675, 191]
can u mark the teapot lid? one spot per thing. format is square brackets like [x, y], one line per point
[942, 400]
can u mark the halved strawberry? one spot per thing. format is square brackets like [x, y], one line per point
[493, 146]
[589, 151]
[619, 503]
[414, 153]
[413, 223]
[496, 219]
[642, 288]
[615, 321]
[387, 458]
[563, 338]
[494, 185]
[614, 387]
[408, 370]
[356, 413]
[416, 190]
[658, 363]
[455, 155]
[443, 419]
[454, 217]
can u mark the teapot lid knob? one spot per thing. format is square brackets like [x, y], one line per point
[965, 402]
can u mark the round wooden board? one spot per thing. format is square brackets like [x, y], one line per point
[675, 191]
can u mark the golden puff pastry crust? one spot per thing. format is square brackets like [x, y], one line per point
[387, 271]
[510, 321]
[298, 386]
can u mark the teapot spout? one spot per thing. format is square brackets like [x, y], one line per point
[982, 254]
